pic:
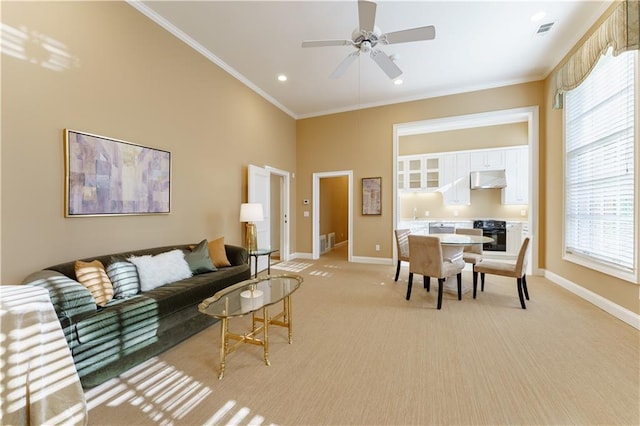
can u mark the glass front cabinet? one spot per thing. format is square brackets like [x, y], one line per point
[419, 173]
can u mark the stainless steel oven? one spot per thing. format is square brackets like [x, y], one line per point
[496, 229]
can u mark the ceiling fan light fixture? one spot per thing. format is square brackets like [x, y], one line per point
[367, 38]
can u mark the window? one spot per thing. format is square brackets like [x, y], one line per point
[600, 228]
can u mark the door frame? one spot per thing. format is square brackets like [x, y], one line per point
[285, 214]
[315, 239]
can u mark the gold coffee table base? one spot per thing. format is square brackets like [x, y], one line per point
[251, 337]
[251, 297]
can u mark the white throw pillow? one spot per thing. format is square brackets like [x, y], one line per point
[161, 269]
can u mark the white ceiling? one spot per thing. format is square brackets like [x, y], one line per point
[478, 45]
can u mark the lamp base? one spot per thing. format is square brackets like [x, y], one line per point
[251, 241]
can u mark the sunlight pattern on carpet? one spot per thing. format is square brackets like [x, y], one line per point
[164, 394]
[291, 266]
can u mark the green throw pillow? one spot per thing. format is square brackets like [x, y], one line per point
[124, 277]
[198, 259]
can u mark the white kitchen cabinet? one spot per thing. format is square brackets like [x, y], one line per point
[487, 159]
[517, 174]
[454, 183]
[514, 237]
[419, 173]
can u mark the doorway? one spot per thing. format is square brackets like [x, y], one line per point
[529, 115]
[341, 198]
[271, 188]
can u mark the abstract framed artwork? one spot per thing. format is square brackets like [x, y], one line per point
[371, 203]
[107, 177]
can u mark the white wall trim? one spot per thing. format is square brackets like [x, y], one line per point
[298, 255]
[606, 305]
[373, 260]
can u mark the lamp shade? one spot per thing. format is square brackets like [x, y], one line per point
[251, 212]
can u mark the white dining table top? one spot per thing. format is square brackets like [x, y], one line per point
[461, 239]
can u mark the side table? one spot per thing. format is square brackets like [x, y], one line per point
[261, 252]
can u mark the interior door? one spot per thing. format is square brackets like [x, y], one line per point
[259, 188]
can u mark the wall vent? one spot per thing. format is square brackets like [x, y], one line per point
[323, 243]
[331, 240]
[544, 28]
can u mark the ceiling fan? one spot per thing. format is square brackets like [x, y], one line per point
[366, 38]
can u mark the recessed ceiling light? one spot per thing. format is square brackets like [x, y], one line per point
[282, 77]
[538, 16]
[397, 81]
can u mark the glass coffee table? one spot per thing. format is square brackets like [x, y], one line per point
[251, 297]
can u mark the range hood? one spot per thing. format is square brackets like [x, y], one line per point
[488, 179]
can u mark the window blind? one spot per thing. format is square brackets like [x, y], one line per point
[599, 164]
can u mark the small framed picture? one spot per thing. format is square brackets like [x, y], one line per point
[371, 189]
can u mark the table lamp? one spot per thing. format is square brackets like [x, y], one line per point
[249, 213]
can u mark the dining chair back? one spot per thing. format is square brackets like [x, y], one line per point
[517, 270]
[426, 258]
[402, 244]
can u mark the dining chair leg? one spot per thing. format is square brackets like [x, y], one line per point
[460, 286]
[520, 294]
[481, 281]
[475, 283]
[397, 271]
[427, 282]
[524, 286]
[409, 285]
[440, 288]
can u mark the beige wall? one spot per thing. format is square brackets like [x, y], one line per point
[618, 291]
[129, 79]
[334, 207]
[362, 141]
[498, 136]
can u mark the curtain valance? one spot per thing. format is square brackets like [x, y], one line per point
[621, 31]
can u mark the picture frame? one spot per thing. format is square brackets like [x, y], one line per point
[110, 177]
[371, 196]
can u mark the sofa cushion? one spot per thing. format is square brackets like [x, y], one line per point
[93, 276]
[70, 299]
[198, 259]
[124, 277]
[190, 292]
[161, 269]
[218, 253]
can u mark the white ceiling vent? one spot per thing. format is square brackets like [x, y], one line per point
[544, 28]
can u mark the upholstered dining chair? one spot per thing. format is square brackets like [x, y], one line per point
[402, 243]
[426, 258]
[517, 270]
[472, 254]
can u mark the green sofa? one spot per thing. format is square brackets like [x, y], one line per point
[106, 341]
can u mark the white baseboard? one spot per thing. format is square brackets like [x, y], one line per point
[374, 260]
[606, 305]
[301, 256]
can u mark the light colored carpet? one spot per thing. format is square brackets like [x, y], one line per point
[363, 355]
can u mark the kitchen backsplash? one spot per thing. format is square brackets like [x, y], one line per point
[485, 203]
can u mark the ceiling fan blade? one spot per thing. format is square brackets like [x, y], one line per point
[324, 43]
[337, 73]
[384, 62]
[366, 15]
[414, 34]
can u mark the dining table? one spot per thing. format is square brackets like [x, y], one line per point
[453, 249]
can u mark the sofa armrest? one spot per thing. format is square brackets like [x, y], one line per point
[70, 299]
[237, 255]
